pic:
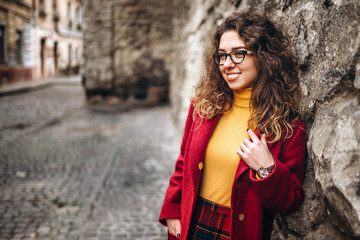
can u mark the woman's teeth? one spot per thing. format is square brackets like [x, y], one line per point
[233, 76]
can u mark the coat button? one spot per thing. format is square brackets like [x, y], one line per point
[241, 217]
[201, 165]
[238, 182]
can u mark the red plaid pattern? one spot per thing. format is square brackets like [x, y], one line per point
[211, 221]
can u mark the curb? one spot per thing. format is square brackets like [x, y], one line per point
[31, 86]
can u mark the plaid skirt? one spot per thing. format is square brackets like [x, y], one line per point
[211, 221]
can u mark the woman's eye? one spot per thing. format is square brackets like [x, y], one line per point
[238, 54]
[222, 56]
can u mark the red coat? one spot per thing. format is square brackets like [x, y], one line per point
[253, 201]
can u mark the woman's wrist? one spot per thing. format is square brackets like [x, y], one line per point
[264, 172]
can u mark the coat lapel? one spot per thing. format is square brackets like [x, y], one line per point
[201, 134]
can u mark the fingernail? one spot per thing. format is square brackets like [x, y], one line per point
[178, 235]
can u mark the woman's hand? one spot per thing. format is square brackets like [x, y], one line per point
[255, 154]
[174, 226]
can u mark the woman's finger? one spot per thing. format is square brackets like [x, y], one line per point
[247, 142]
[240, 153]
[178, 230]
[253, 136]
[174, 226]
[171, 230]
[263, 139]
[244, 148]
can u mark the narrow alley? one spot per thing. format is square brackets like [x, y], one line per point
[73, 171]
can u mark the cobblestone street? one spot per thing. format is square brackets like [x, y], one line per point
[71, 171]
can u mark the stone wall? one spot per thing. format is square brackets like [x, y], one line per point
[326, 36]
[130, 45]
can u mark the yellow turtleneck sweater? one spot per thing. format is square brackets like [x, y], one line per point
[221, 158]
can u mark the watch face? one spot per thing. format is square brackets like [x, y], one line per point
[265, 172]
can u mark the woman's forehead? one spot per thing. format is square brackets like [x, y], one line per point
[231, 40]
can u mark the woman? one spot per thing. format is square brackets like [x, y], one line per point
[243, 149]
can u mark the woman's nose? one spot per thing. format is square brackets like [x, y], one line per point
[229, 63]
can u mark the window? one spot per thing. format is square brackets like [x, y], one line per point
[42, 12]
[54, 12]
[19, 45]
[70, 52]
[54, 7]
[78, 19]
[69, 15]
[2, 44]
[41, 5]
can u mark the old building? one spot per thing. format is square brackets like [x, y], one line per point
[57, 37]
[39, 39]
[15, 41]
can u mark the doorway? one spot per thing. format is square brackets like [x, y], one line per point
[42, 57]
[56, 58]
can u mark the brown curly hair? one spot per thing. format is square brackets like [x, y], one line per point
[276, 91]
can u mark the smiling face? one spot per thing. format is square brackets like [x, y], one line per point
[241, 75]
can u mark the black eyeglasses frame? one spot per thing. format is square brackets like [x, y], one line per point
[244, 52]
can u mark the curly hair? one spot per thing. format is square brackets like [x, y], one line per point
[275, 92]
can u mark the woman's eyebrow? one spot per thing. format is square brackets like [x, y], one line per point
[234, 48]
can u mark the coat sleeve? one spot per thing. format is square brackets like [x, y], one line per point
[172, 202]
[282, 191]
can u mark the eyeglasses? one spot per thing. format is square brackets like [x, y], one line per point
[236, 56]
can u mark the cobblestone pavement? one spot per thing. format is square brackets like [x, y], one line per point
[70, 171]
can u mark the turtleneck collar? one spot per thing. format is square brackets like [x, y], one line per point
[242, 97]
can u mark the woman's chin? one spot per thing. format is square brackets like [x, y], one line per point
[235, 86]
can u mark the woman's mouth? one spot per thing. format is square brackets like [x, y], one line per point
[232, 76]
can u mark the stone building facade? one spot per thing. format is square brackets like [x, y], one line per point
[39, 38]
[57, 37]
[15, 38]
[326, 37]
